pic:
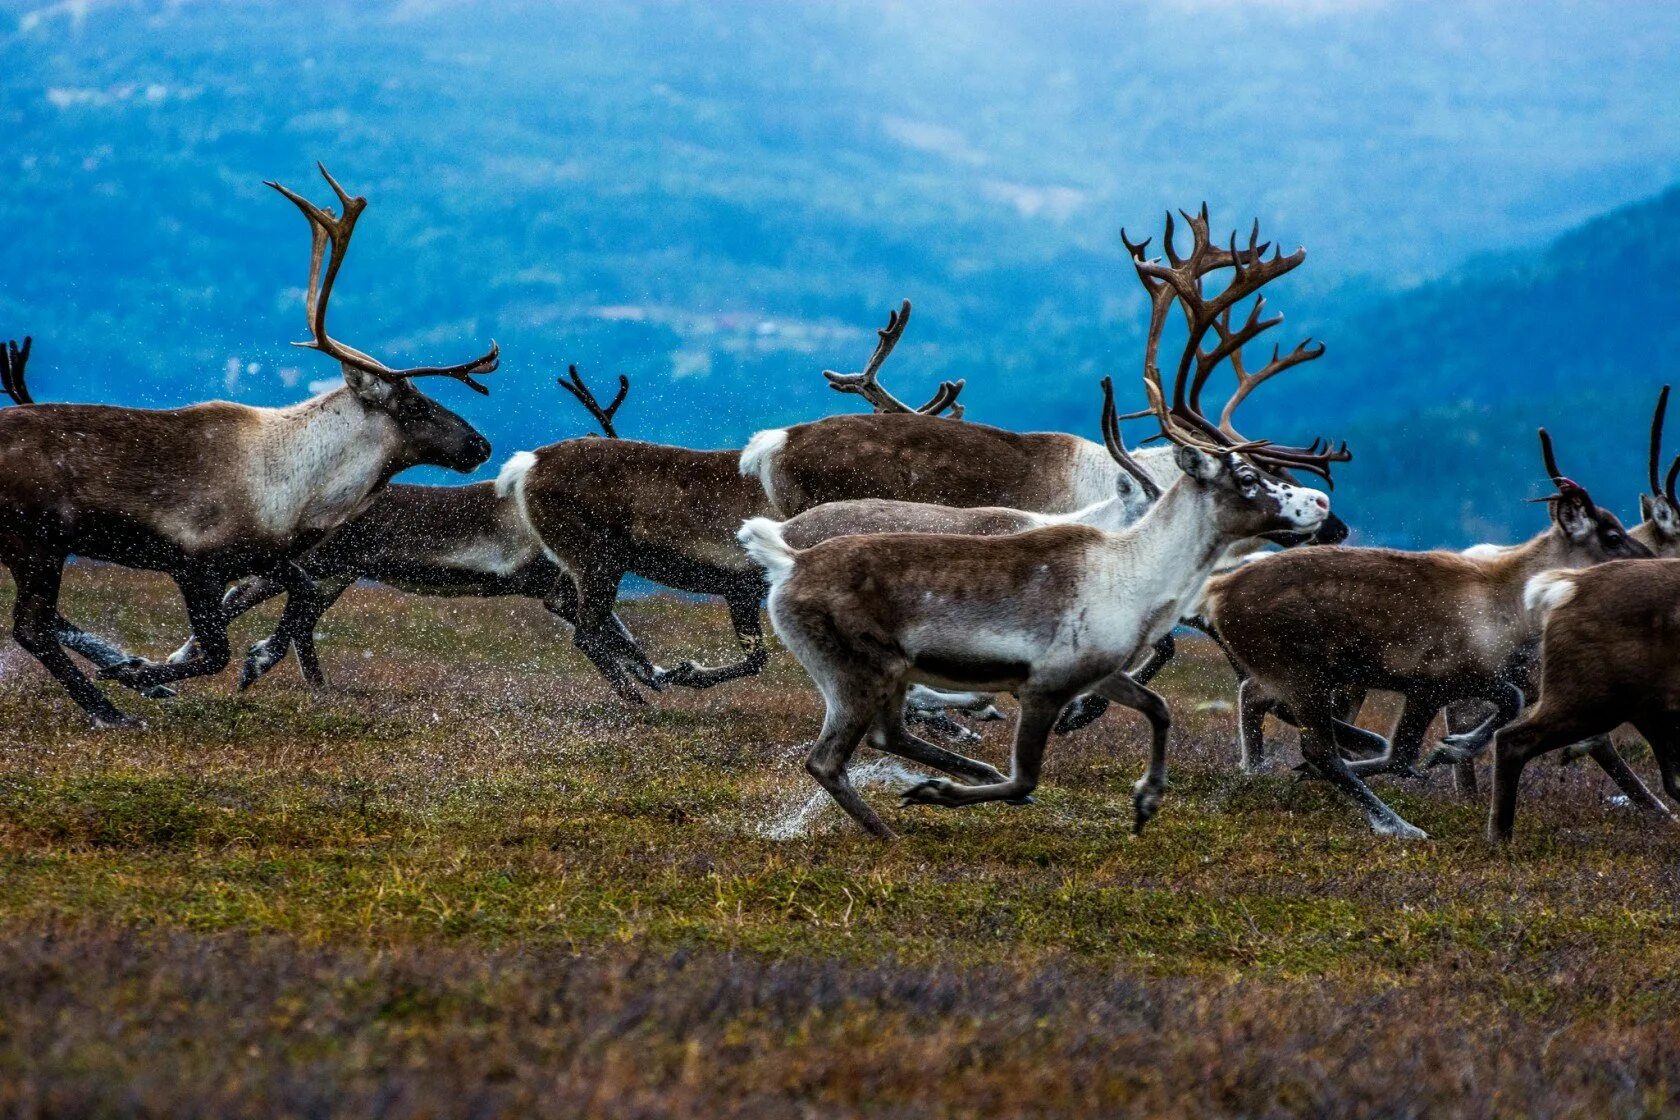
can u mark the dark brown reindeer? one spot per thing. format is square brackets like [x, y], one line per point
[428, 540]
[99, 652]
[1048, 613]
[212, 492]
[604, 509]
[1437, 627]
[1609, 654]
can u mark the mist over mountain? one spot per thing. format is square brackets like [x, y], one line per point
[722, 199]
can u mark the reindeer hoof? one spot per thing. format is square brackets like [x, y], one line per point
[1146, 802]
[683, 676]
[119, 722]
[1024, 799]
[159, 692]
[934, 791]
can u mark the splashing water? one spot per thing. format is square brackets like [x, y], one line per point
[797, 819]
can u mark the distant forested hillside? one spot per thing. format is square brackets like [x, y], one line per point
[720, 199]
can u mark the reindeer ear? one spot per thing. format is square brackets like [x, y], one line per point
[1573, 512]
[373, 389]
[1659, 513]
[1197, 464]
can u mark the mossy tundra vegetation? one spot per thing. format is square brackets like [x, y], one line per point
[468, 881]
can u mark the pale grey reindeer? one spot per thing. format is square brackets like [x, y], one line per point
[212, 492]
[1047, 613]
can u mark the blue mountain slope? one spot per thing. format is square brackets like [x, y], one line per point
[721, 199]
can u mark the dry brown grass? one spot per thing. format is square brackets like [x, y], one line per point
[466, 882]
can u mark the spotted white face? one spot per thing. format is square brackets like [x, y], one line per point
[1302, 506]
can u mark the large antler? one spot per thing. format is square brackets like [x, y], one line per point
[1180, 280]
[574, 385]
[327, 228]
[866, 386]
[12, 360]
[1116, 446]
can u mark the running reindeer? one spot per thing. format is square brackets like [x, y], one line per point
[1437, 627]
[1660, 532]
[1052, 612]
[212, 492]
[1609, 654]
[604, 509]
[427, 540]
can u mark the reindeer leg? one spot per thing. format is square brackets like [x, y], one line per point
[101, 653]
[1318, 746]
[1507, 700]
[890, 734]
[1146, 795]
[1032, 730]
[1516, 743]
[241, 597]
[305, 604]
[1253, 702]
[38, 574]
[562, 602]
[849, 715]
[1403, 750]
[1603, 752]
[743, 615]
[202, 592]
[597, 591]
[1088, 708]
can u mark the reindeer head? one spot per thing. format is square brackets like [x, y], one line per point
[1660, 529]
[1584, 533]
[1254, 492]
[431, 434]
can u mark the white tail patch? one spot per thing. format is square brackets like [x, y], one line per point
[762, 538]
[1548, 591]
[510, 480]
[760, 454]
[511, 477]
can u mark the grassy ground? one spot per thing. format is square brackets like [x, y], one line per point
[467, 882]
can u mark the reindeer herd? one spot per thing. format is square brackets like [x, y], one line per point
[917, 564]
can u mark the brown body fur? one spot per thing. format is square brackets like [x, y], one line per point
[607, 508]
[911, 457]
[1609, 654]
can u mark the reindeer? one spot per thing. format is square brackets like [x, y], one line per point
[904, 454]
[1135, 489]
[428, 540]
[604, 509]
[1437, 627]
[212, 492]
[1047, 613]
[1659, 532]
[1609, 654]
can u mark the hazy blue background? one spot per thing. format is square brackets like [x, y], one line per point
[722, 199]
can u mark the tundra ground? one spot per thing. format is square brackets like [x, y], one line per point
[467, 882]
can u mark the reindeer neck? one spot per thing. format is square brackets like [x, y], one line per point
[317, 463]
[1507, 570]
[1172, 549]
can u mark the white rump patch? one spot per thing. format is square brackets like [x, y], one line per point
[760, 452]
[513, 472]
[1548, 591]
[762, 538]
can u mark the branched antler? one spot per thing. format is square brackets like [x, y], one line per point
[1180, 281]
[573, 384]
[327, 228]
[12, 360]
[870, 389]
